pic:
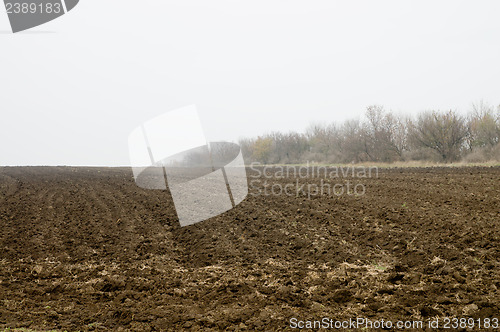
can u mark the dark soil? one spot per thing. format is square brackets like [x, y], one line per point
[86, 249]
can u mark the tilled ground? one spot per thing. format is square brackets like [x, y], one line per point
[86, 249]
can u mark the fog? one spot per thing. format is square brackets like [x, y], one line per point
[73, 89]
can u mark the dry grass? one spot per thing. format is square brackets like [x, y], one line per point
[400, 164]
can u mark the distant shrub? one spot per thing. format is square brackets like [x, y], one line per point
[483, 154]
[423, 154]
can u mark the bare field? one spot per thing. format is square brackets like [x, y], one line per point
[86, 249]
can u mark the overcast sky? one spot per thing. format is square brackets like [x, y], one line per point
[72, 90]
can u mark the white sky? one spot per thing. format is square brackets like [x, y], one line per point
[72, 90]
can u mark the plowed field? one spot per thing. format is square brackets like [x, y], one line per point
[86, 249]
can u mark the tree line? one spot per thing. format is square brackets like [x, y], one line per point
[383, 136]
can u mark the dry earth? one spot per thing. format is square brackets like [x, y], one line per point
[86, 249]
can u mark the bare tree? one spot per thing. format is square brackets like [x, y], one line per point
[386, 135]
[442, 132]
[483, 127]
[353, 142]
[324, 141]
[400, 135]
